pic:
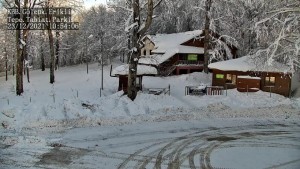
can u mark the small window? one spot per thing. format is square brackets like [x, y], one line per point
[219, 76]
[270, 81]
[192, 57]
[231, 78]
[145, 52]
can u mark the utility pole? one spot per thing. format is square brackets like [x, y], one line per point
[86, 52]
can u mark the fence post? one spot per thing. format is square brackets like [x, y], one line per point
[270, 91]
[226, 89]
[169, 89]
[53, 98]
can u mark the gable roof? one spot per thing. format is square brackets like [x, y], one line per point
[167, 45]
[245, 64]
[165, 42]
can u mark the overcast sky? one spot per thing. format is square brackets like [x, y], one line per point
[90, 3]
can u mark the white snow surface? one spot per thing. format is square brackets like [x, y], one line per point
[112, 127]
[74, 101]
[141, 70]
[245, 64]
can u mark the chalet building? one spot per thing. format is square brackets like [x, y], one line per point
[244, 75]
[122, 73]
[178, 53]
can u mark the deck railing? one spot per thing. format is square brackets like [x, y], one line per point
[190, 62]
[204, 90]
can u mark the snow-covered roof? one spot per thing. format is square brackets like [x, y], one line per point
[164, 42]
[141, 70]
[151, 60]
[167, 45]
[245, 64]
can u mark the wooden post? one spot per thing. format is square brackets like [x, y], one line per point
[169, 89]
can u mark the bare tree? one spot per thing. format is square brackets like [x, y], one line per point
[138, 30]
[207, 34]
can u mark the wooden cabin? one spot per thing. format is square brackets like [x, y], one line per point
[122, 73]
[242, 74]
[178, 53]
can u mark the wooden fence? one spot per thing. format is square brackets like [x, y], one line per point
[215, 90]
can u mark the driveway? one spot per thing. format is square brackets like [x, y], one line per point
[206, 144]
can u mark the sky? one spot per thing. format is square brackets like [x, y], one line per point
[90, 3]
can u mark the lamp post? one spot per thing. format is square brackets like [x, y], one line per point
[86, 52]
[102, 34]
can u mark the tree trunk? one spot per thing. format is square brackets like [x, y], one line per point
[207, 35]
[52, 53]
[51, 45]
[25, 54]
[6, 63]
[57, 50]
[24, 66]
[42, 59]
[13, 67]
[133, 60]
[19, 74]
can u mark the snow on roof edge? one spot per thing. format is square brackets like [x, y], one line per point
[245, 64]
[141, 70]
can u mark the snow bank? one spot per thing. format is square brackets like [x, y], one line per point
[74, 101]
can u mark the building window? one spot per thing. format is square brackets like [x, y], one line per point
[192, 57]
[270, 81]
[144, 52]
[231, 79]
[219, 76]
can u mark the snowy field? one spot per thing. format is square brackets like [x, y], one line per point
[163, 131]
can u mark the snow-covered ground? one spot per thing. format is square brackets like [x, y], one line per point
[210, 143]
[74, 102]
